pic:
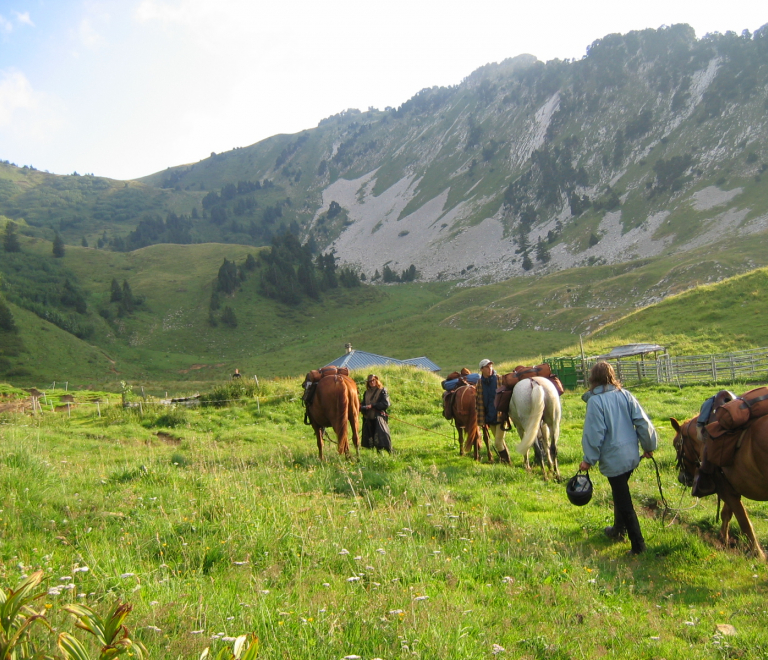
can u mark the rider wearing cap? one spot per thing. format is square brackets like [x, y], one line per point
[486, 407]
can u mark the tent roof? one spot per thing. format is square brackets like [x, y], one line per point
[364, 360]
[629, 350]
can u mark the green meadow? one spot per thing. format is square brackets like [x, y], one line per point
[168, 343]
[218, 521]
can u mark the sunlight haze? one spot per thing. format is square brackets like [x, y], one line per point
[126, 88]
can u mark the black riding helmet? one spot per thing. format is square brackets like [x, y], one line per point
[579, 489]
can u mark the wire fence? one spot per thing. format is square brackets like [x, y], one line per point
[747, 366]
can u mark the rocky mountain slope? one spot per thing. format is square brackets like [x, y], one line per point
[655, 142]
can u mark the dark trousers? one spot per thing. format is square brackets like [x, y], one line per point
[624, 516]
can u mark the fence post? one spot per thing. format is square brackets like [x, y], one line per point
[98, 408]
[69, 412]
[714, 368]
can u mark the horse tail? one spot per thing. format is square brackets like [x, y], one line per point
[341, 420]
[533, 419]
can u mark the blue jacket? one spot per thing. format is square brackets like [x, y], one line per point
[614, 425]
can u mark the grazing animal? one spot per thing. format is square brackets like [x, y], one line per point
[465, 418]
[535, 411]
[335, 404]
[746, 477]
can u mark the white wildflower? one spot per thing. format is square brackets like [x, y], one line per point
[196, 632]
[54, 591]
[496, 649]
[154, 629]
[507, 580]
[344, 551]
[264, 591]
[65, 578]
[127, 575]
[381, 551]
[421, 598]
[81, 569]
[353, 579]
[395, 612]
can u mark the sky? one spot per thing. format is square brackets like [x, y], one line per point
[126, 88]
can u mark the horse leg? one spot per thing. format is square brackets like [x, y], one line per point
[725, 524]
[544, 448]
[355, 435]
[486, 438]
[461, 440]
[553, 458]
[733, 500]
[319, 435]
[476, 444]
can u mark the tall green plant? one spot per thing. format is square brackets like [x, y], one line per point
[17, 618]
[110, 633]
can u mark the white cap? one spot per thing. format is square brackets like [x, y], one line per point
[485, 363]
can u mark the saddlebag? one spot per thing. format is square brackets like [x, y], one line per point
[738, 412]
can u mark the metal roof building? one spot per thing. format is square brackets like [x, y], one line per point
[353, 359]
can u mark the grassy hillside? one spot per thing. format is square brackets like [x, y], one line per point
[168, 340]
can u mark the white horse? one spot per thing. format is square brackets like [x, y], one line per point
[535, 411]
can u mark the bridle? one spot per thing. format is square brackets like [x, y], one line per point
[688, 460]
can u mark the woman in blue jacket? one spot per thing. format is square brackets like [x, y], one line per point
[614, 426]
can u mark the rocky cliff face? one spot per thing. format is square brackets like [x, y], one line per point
[654, 142]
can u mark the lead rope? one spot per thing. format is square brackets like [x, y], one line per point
[667, 507]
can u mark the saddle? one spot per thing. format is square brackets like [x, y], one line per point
[522, 373]
[450, 396]
[310, 385]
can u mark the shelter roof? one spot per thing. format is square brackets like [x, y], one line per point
[364, 360]
[628, 350]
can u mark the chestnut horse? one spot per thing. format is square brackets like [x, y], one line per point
[464, 411]
[747, 476]
[335, 404]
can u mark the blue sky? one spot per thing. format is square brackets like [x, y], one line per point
[124, 88]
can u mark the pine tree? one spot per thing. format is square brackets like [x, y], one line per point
[58, 246]
[6, 318]
[116, 294]
[10, 239]
[84, 242]
[228, 317]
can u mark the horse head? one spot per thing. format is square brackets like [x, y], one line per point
[687, 447]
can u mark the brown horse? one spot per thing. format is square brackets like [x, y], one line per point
[747, 476]
[335, 404]
[464, 411]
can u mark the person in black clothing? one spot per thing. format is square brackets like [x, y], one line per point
[236, 374]
[373, 407]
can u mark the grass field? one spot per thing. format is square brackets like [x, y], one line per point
[168, 342]
[218, 521]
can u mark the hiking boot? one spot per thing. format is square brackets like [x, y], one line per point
[615, 533]
[637, 551]
[703, 485]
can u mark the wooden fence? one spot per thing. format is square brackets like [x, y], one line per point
[751, 365]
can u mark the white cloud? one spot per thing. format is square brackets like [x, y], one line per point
[88, 35]
[5, 25]
[15, 94]
[25, 114]
[23, 18]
